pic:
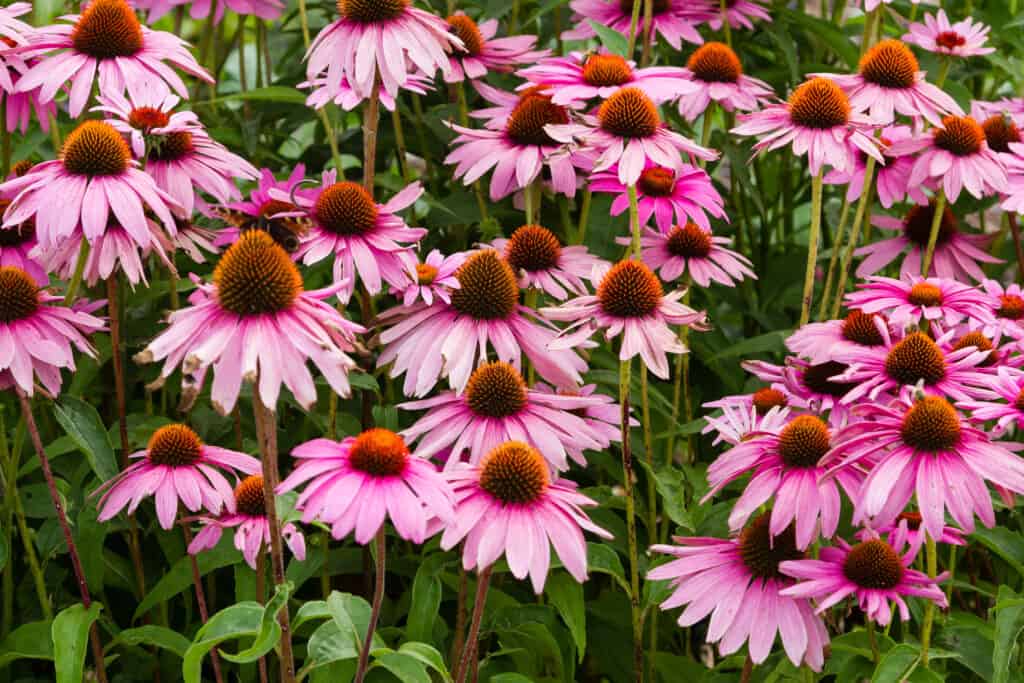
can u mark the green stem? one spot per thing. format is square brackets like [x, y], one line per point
[483, 582]
[873, 640]
[585, 216]
[645, 53]
[76, 277]
[634, 222]
[5, 139]
[529, 204]
[332, 138]
[460, 96]
[933, 236]
[652, 491]
[634, 20]
[952, 574]
[705, 133]
[724, 9]
[943, 71]
[371, 119]
[421, 136]
[844, 214]
[863, 206]
[378, 599]
[634, 559]
[812, 248]
[932, 560]
[403, 161]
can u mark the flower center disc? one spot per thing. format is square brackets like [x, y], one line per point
[925, 294]
[107, 29]
[22, 167]
[345, 209]
[913, 520]
[916, 358]
[889, 64]
[514, 473]
[873, 564]
[19, 294]
[918, 225]
[468, 32]
[629, 113]
[819, 103]
[959, 135]
[95, 148]
[425, 273]
[804, 441]
[256, 276]
[981, 343]
[487, 287]
[859, 328]
[1000, 132]
[147, 118]
[657, 182]
[249, 499]
[689, 241]
[496, 390]
[533, 248]
[657, 7]
[526, 122]
[629, 290]
[761, 553]
[767, 398]
[931, 425]
[950, 40]
[379, 452]
[715, 63]
[371, 11]
[172, 147]
[175, 446]
[606, 70]
[1011, 307]
[816, 378]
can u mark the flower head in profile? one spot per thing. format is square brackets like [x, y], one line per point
[355, 484]
[673, 196]
[909, 524]
[515, 143]
[200, 9]
[743, 415]
[430, 341]
[497, 406]
[818, 121]
[249, 521]
[433, 278]
[889, 82]
[379, 44]
[176, 468]
[16, 245]
[692, 250]
[958, 255]
[718, 74]
[910, 300]
[20, 106]
[738, 583]
[741, 14]
[922, 448]
[628, 133]
[873, 571]
[955, 156]
[341, 93]
[1005, 317]
[38, 336]
[366, 239]
[509, 505]
[482, 53]
[107, 40]
[822, 342]
[1001, 401]
[965, 38]
[630, 302]
[256, 322]
[583, 77]
[890, 180]
[673, 20]
[813, 387]
[540, 261]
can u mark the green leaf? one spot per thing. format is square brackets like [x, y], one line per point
[426, 600]
[510, 678]
[28, 641]
[671, 484]
[235, 622]
[897, 664]
[179, 577]
[772, 342]
[1009, 623]
[1004, 543]
[613, 40]
[4, 552]
[428, 655]
[70, 633]
[405, 667]
[603, 560]
[831, 36]
[567, 597]
[329, 644]
[271, 93]
[270, 630]
[83, 424]
[159, 636]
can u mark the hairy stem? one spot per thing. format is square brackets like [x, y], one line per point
[378, 599]
[812, 248]
[466, 661]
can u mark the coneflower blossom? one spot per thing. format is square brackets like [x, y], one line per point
[107, 40]
[718, 74]
[817, 121]
[200, 9]
[256, 322]
[673, 20]
[738, 583]
[628, 133]
[482, 53]
[921, 447]
[743, 415]
[910, 300]
[176, 467]
[582, 77]
[497, 406]
[821, 342]
[16, 34]
[509, 505]
[260, 204]
[355, 484]
[433, 278]
[808, 386]
[427, 342]
[37, 334]
[380, 43]
[348, 98]
[873, 571]
[16, 245]
[249, 520]
[673, 196]
[739, 14]
[692, 250]
[540, 261]
[890, 177]
[629, 301]
[1000, 400]
[965, 38]
[1005, 316]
